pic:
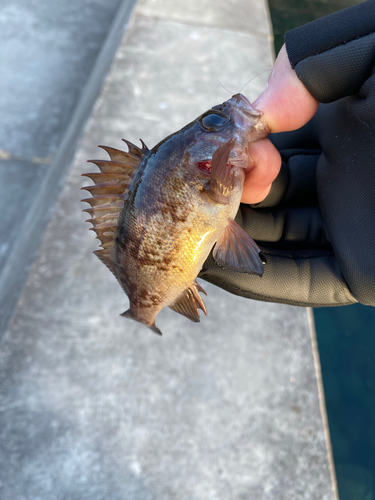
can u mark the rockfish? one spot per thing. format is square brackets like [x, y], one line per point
[158, 213]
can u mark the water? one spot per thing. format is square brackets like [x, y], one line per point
[346, 339]
[288, 14]
[346, 335]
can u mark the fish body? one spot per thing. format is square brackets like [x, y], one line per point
[178, 200]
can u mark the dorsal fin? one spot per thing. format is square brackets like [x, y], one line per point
[108, 194]
[135, 150]
[117, 167]
[120, 156]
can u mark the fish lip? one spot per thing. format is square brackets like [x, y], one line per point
[251, 114]
[244, 103]
[244, 111]
[246, 114]
[245, 117]
[241, 99]
[241, 103]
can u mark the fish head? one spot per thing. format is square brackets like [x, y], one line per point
[235, 120]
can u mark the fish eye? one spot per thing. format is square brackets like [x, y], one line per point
[213, 121]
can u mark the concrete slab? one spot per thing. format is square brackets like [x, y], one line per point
[81, 44]
[19, 183]
[166, 72]
[47, 50]
[251, 18]
[94, 406]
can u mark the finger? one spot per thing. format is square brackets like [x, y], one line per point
[286, 103]
[265, 165]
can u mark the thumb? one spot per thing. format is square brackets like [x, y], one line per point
[286, 103]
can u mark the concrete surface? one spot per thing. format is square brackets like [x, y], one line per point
[251, 18]
[53, 57]
[96, 407]
[47, 50]
[20, 181]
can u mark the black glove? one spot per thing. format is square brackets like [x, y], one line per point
[316, 228]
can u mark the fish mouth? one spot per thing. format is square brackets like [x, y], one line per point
[242, 106]
[247, 117]
[242, 103]
[243, 113]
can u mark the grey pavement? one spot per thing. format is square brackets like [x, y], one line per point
[53, 58]
[93, 406]
[47, 50]
[20, 180]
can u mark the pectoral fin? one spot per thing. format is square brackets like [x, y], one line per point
[189, 302]
[237, 251]
[221, 182]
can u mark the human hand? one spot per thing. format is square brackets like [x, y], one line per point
[315, 227]
[286, 105]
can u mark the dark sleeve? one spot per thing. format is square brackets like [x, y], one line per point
[333, 56]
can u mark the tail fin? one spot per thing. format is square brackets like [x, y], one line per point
[129, 314]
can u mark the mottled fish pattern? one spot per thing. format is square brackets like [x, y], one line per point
[158, 213]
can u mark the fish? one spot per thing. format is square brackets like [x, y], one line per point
[159, 212]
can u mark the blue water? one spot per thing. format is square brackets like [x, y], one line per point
[346, 340]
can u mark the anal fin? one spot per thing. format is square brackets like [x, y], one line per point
[237, 251]
[189, 302]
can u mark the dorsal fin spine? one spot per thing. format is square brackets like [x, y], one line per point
[105, 200]
[108, 194]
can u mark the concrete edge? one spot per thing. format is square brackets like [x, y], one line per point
[322, 402]
[24, 250]
[270, 29]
